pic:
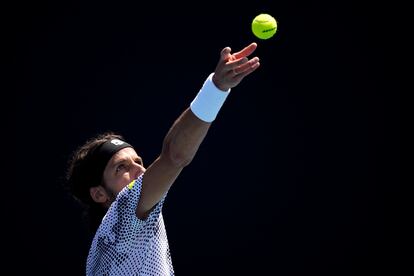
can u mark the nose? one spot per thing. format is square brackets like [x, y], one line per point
[136, 170]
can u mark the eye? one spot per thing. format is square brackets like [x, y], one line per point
[120, 168]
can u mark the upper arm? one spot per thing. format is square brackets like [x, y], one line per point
[179, 147]
[157, 180]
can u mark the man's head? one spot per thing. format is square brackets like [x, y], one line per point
[101, 168]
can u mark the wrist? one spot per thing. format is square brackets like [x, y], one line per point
[209, 100]
[218, 85]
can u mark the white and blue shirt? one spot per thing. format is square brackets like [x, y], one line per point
[127, 245]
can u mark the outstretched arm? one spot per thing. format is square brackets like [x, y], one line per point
[188, 131]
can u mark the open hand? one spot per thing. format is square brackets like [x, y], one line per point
[232, 68]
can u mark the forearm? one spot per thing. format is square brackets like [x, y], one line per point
[188, 131]
[184, 138]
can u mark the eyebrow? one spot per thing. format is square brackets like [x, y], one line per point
[123, 159]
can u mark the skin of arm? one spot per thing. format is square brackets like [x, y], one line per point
[188, 131]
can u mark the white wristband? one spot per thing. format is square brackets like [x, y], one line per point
[208, 101]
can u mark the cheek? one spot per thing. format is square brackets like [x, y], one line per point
[116, 184]
[124, 180]
[120, 183]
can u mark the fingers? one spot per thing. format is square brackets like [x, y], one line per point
[247, 51]
[225, 53]
[243, 64]
[246, 68]
[232, 68]
[231, 65]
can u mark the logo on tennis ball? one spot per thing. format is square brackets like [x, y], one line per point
[264, 26]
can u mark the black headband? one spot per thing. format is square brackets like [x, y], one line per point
[100, 157]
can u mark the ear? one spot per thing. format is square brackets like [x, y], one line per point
[98, 194]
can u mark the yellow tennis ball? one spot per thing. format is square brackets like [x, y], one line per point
[264, 26]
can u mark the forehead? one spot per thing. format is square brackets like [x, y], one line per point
[123, 154]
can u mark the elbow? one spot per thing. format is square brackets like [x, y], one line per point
[176, 156]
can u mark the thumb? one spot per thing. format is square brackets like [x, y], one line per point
[225, 53]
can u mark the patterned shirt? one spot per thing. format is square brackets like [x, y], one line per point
[127, 245]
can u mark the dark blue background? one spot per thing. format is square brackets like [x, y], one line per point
[299, 174]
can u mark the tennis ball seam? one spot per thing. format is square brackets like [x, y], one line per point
[262, 21]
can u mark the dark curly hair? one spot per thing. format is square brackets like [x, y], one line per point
[79, 180]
